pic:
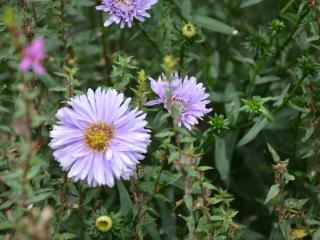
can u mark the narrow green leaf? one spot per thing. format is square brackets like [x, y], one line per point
[125, 200]
[316, 235]
[253, 132]
[285, 229]
[267, 79]
[5, 225]
[214, 25]
[273, 192]
[164, 134]
[248, 3]
[204, 168]
[274, 154]
[188, 201]
[221, 160]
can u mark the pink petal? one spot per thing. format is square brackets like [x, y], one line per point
[38, 68]
[24, 64]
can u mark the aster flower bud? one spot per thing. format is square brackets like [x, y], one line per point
[142, 76]
[189, 30]
[307, 66]
[276, 25]
[169, 63]
[104, 223]
[218, 123]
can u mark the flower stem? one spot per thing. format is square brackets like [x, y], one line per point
[152, 43]
[182, 53]
[291, 94]
[295, 30]
[104, 47]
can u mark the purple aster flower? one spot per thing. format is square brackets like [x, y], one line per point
[98, 138]
[33, 54]
[185, 99]
[125, 11]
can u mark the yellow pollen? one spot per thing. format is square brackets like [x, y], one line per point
[98, 136]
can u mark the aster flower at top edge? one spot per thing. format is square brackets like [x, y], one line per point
[124, 12]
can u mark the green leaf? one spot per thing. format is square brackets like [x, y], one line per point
[232, 103]
[188, 201]
[273, 192]
[125, 200]
[41, 197]
[253, 132]
[65, 236]
[285, 229]
[316, 235]
[5, 204]
[221, 160]
[58, 89]
[274, 154]
[204, 168]
[209, 186]
[267, 79]
[214, 25]
[5, 225]
[164, 134]
[288, 177]
[248, 3]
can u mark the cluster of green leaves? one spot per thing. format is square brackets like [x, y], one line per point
[258, 59]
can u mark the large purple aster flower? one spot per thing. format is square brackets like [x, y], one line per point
[125, 11]
[185, 99]
[99, 139]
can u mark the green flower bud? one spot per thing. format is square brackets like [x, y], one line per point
[104, 223]
[218, 123]
[307, 66]
[169, 63]
[142, 76]
[189, 30]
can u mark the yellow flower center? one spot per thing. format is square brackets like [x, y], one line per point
[189, 30]
[104, 223]
[127, 3]
[98, 136]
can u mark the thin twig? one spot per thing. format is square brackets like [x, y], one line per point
[152, 43]
[104, 47]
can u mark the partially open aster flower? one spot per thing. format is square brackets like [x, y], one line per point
[99, 139]
[33, 54]
[185, 99]
[125, 11]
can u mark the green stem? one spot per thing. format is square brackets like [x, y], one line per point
[295, 30]
[285, 8]
[182, 51]
[291, 94]
[259, 67]
[104, 47]
[255, 74]
[179, 11]
[152, 43]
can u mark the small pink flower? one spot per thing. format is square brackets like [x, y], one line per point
[33, 54]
